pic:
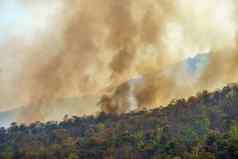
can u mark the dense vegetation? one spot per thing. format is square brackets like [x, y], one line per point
[201, 127]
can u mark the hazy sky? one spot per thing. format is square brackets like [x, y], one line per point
[22, 24]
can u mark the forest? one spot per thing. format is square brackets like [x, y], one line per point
[204, 126]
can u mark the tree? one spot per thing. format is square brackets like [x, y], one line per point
[234, 131]
[72, 156]
[8, 153]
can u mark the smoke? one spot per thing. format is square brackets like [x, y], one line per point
[99, 51]
[193, 28]
[95, 48]
[21, 29]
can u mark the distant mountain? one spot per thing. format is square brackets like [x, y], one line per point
[196, 64]
[56, 110]
[6, 118]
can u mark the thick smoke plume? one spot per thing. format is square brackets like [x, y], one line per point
[97, 47]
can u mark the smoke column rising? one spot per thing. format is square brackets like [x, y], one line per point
[92, 48]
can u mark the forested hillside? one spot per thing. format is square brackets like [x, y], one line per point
[201, 127]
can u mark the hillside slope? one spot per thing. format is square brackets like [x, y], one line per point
[201, 127]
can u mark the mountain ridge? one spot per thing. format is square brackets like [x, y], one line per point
[201, 127]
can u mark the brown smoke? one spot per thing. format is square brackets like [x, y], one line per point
[100, 47]
[107, 42]
[160, 88]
